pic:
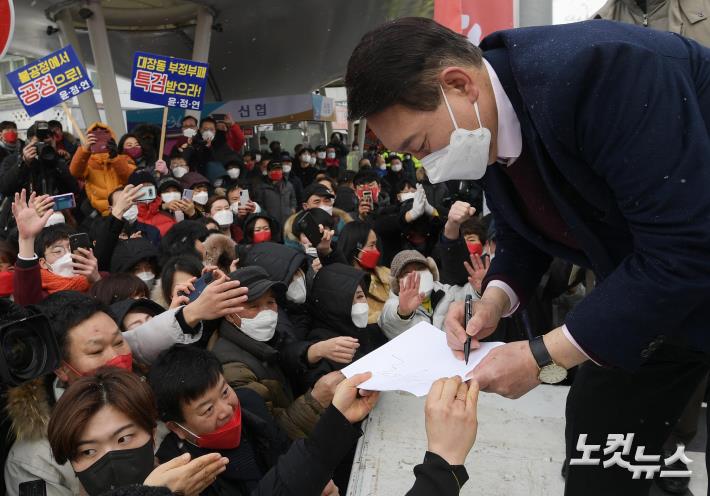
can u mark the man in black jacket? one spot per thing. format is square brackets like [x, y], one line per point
[205, 415]
[37, 167]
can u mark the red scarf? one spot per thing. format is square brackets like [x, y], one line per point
[53, 283]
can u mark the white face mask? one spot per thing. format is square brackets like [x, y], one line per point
[257, 157]
[201, 197]
[359, 315]
[306, 158]
[327, 208]
[426, 282]
[286, 168]
[403, 197]
[62, 266]
[262, 327]
[131, 214]
[297, 290]
[312, 160]
[171, 196]
[331, 155]
[189, 132]
[320, 155]
[382, 166]
[311, 251]
[224, 218]
[265, 173]
[396, 167]
[179, 171]
[466, 155]
[235, 207]
[207, 135]
[234, 172]
[146, 277]
[55, 218]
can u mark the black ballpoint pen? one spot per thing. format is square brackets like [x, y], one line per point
[468, 308]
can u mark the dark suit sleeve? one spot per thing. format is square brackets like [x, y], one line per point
[309, 463]
[637, 119]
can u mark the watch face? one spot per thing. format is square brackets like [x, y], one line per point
[552, 374]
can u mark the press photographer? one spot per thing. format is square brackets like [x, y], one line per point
[37, 167]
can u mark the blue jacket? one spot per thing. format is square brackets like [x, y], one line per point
[617, 120]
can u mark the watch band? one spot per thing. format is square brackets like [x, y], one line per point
[539, 351]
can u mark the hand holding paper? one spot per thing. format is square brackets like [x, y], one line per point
[413, 361]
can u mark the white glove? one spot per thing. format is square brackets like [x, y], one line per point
[428, 209]
[418, 204]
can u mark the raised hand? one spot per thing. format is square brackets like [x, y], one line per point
[409, 296]
[477, 270]
[31, 215]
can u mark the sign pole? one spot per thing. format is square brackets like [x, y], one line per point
[162, 133]
[74, 124]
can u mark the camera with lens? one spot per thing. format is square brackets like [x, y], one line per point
[45, 151]
[28, 349]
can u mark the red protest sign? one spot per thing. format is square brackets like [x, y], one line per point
[7, 25]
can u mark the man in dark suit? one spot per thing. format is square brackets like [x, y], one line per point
[591, 141]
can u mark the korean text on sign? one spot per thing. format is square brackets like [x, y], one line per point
[168, 81]
[49, 81]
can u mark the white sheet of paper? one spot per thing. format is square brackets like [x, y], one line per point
[413, 361]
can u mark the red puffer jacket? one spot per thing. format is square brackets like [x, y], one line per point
[150, 213]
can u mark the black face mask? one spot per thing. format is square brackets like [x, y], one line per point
[118, 468]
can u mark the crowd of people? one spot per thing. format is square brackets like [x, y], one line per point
[205, 301]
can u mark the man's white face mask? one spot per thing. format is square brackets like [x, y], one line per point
[466, 155]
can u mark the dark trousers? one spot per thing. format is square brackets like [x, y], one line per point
[647, 402]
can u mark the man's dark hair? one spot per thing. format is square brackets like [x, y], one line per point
[208, 119]
[66, 310]
[179, 375]
[366, 176]
[51, 235]
[188, 117]
[117, 287]
[55, 124]
[476, 226]
[399, 62]
[7, 125]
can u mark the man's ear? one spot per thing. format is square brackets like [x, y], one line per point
[461, 80]
[175, 429]
[43, 263]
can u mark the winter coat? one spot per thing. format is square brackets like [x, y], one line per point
[331, 302]
[279, 200]
[303, 468]
[106, 232]
[257, 365]
[685, 17]
[51, 178]
[150, 213]
[102, 174]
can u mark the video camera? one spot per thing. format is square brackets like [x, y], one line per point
[28, 349]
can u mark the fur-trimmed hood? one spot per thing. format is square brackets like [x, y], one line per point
[220, 250]
[29, 407]
[288, 225]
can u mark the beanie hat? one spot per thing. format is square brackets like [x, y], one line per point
[405, 257]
